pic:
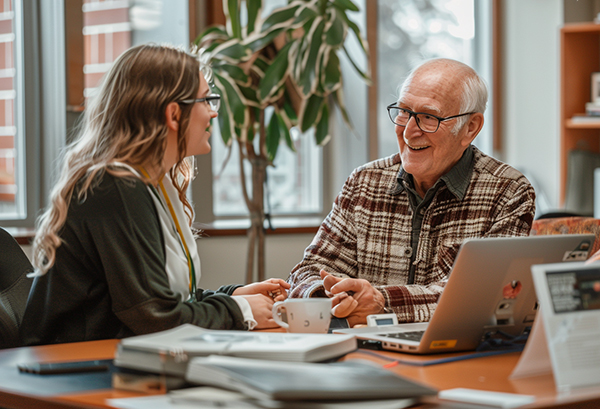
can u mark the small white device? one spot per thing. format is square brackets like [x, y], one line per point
[379, 320]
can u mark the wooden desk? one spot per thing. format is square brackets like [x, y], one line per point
[19, 390]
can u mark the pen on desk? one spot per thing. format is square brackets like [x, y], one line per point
[391, 364]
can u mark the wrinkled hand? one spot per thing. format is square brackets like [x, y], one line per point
[352, 298]
[262, 309]
[274, 288]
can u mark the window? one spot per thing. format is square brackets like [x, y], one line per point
[12, 154]
[413, 31]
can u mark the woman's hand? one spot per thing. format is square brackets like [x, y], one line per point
[275, 288]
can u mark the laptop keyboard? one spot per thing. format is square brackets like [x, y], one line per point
[411, 335]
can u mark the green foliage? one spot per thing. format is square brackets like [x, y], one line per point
[288, 60]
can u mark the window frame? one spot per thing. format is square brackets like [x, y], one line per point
[27, 110]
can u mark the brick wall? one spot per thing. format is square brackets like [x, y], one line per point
[8, 132]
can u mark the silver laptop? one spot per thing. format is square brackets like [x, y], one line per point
[490, 288]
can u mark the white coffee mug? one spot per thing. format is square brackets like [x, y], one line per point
[303, 314]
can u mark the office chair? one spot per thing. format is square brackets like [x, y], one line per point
[14, 288]
[569, 225]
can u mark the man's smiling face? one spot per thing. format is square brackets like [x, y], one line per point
[434, 89]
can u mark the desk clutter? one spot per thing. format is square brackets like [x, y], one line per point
[170, 351]
[267, 369]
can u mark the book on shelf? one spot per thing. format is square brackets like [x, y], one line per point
[592, 109]
[170, 351]
[301, 381]
[585, 119]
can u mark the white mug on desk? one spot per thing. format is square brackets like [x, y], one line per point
[303, 314]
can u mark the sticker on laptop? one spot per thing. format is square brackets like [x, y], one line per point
[449, 343]
[577, 255]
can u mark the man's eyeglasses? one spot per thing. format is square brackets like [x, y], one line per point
[214, 101]
[426, 122]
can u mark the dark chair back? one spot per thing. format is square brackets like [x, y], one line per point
[14, 288]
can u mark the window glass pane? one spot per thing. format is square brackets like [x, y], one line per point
[112, 26]
[106, 34]
[411, 31]
[294, 183]
[12, 153]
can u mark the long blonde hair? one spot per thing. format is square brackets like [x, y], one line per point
[124, 122]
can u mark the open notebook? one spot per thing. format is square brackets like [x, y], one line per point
[490, 288]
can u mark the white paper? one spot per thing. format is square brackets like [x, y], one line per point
[569, 297]
[488, 398]
[535, 358]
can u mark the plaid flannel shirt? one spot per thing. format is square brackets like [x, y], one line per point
[367, 234]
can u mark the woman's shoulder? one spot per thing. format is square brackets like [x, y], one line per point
[109, 192]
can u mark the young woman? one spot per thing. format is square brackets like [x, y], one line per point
[114, 252]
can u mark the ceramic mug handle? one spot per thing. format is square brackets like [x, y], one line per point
[278, 307]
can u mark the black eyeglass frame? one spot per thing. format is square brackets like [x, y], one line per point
[212, 97]
[414, 114]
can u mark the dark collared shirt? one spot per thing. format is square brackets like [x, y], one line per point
[457, 180]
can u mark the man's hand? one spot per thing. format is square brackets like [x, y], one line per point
[273, 287]
[352, 298]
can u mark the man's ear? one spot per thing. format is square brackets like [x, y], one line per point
[172, 115]
[472, 127]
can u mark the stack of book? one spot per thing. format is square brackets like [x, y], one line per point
[169, 352]
[300, 381]
[592, 109]
[591, 116]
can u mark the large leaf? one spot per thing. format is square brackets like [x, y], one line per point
[235, 72]
[332, 74]
[310, 112]
[225, 122]
[232, 51]
[273, 136]
[289, 114]
[250, 96]
[280, 18]
[254, 8]
[231, 8]
[310, 68]
[346, 4]
[336, 33]
[322, 135]
[258, 41]
[234, 99]
[213, 33]
[276, 74]
[285, 131]
[304, 14]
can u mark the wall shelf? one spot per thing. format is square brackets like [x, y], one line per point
[579, 58]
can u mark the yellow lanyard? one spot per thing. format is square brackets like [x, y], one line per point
[180, 233]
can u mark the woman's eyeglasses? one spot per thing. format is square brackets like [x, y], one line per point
[213, 100]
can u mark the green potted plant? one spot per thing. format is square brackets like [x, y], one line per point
[274, 73]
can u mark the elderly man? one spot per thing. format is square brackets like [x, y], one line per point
[390, 240]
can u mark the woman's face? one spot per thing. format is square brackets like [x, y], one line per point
[198, 132]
